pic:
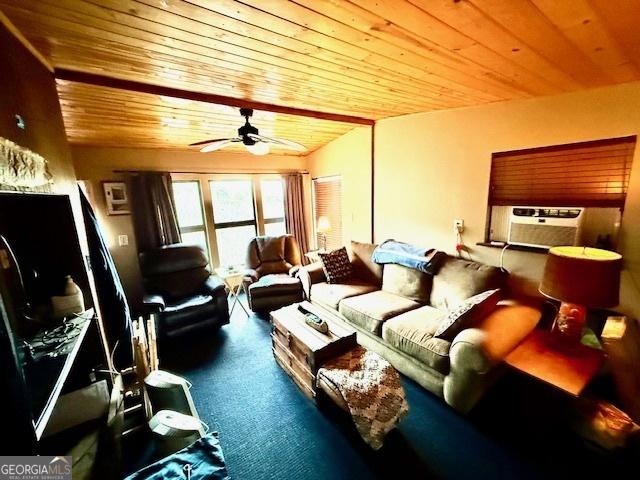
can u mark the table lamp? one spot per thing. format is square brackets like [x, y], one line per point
[579, 278]
[323, 227]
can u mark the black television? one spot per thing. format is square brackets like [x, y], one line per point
[38, 249]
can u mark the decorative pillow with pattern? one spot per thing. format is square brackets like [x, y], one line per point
[467, 314]
[336, 265]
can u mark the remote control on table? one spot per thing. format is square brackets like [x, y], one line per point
[313, 320]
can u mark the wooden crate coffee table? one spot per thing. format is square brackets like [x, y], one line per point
[300, 350]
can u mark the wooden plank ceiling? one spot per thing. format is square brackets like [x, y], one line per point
[366, 58]
[110, 117]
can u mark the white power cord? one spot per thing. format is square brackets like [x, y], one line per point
[504, 249]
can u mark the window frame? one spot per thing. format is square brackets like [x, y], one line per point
[260, 205]
[195, 228]
[258, 221]
[224, 225]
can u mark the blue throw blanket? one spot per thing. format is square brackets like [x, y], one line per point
[203, 459]
[426, 260]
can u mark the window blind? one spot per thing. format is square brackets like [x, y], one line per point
[327, 194]
[589, 174]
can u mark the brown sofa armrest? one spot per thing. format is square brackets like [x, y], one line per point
[488, 343]
[310, 274]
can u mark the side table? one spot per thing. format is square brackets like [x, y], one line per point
[569, 371]
[233, 280]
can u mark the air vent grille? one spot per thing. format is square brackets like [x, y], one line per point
[543, 235]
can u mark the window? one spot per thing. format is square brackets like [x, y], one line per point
[327, 198]
[228, 211]
[234, 218]
[189, 211]
[591, 175]
[272, 191]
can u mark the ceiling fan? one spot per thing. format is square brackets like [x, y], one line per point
[249, 137]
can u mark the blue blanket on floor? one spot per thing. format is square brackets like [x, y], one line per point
[203, 458]
[426, 260]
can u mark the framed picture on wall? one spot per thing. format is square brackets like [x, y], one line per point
[115, 194]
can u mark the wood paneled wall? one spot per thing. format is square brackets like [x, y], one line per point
[28, 89]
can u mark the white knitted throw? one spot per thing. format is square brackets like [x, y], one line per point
[371, 388]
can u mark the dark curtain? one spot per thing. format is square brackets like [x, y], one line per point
[116, 318]
[294, 212]
[154, 214]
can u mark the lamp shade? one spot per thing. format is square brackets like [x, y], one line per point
[324, 225]
[582, 275]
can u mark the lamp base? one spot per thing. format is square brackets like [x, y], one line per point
[568, 325]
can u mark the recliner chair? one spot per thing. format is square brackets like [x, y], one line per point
[269, 280]
[181, 291]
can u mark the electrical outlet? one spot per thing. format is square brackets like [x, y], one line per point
[458, 225]
[123, 240]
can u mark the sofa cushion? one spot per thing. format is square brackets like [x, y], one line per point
[458, 279]
[363, 267]
[330, 294]
[412, 333]
[275, 284]
[370, 310]
[467, 314]
[336, 265]
[407, 282]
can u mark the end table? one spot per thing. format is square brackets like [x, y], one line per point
[570, 372]
[233, 280]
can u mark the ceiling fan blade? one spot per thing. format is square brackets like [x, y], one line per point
[217, 145]
[204, 142]
[280, 143]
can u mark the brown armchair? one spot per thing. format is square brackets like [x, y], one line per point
[271, 264]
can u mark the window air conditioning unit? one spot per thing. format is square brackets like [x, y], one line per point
[545, 226]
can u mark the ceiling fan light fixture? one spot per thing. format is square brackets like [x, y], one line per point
[249, 136]
[258, 148]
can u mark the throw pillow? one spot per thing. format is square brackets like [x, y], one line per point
[468, 313]
[363, 267]
[336, 265]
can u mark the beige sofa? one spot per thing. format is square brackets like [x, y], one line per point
[396, 310]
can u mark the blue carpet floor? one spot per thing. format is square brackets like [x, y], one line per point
[270, 430]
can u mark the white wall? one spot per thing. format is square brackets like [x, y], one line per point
[350, 157]
[431, 168]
